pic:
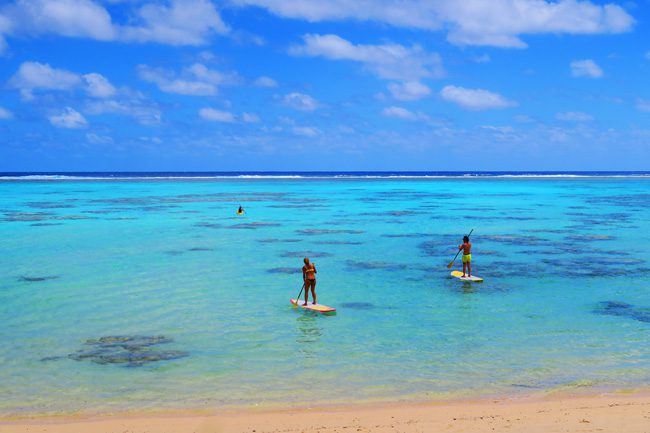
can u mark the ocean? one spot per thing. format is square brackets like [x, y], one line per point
[138, 291]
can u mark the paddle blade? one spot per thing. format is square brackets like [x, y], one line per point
[450, 264]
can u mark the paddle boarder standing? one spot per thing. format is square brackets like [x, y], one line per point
[309, 276]
[466, 246]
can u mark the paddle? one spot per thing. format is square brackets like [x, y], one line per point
[456, 256]
[301, 289]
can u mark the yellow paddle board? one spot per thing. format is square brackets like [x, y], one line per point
[319, 308]
[239, 213]
[459, 275]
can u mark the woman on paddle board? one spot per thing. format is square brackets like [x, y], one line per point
[309, 276]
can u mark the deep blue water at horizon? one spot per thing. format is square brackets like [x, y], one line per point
[308, 174]
[565, 304]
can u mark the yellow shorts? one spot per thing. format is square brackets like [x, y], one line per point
[467, 258]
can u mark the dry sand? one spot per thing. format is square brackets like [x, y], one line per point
[603, 413]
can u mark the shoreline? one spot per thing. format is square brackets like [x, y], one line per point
[621, 411]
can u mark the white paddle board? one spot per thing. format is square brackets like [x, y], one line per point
[459, 275]
[320, 308]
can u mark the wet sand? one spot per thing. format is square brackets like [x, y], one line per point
[619, 413]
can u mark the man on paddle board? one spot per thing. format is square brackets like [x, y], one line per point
[309, 276]
[466, 246]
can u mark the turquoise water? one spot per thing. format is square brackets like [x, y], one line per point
[565, 303]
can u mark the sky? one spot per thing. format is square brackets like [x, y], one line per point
[312, 85]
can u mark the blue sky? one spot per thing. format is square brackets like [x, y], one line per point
[111, 85]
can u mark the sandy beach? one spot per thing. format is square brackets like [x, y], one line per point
[598, 413]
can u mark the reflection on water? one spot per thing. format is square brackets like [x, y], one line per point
[309, 333]
[467, 287]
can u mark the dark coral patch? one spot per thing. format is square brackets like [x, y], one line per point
[287, 270]
[405, 235]
[130, 351]
[301, 254]
[314, 232]
[622, 309]
[173, 252]
[522, 240]
[358, 305]
[358, 265]
[254, 225]
[48, 205]
[393, 213]
[41, 216]
[209, 225]
[590, 238]
[37, 279]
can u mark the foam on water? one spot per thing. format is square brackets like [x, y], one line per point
[123, 262]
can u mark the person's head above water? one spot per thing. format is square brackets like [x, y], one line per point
[306, 260]
[465, 239]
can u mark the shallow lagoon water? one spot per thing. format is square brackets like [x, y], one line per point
[85, 259]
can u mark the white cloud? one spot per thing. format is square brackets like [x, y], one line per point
[502, 22]
[643, 104]
[388, 61]
[250, 118]
[217, 115]
[484, 58]
[73, 18]
[127, 103]
[265, 82]
[305, 131]
[498, 129]
[403, 113]
[177, 22]
[523, 118]
[196, 80]
[98, 86]
[475, 99]
[574, 116]
[184, 22]
[5, 26]
[409, 91]
[69, 118]
[586, 68]
[300, 101]
[33, 75]
[6, 114]
[468, 22]
[98, 139]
